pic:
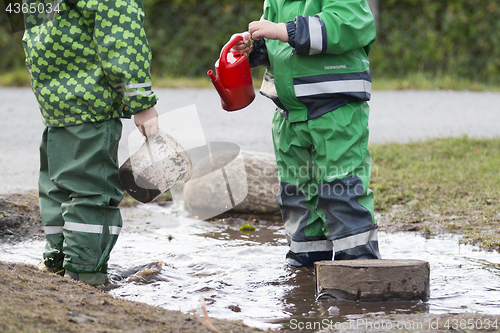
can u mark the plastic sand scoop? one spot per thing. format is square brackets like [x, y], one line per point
[156, 166]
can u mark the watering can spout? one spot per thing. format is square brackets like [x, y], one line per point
[233, 81]
[224, 93]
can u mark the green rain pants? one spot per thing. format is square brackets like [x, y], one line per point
[324, 168]
[79, 193]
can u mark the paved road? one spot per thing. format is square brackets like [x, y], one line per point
[395, 116]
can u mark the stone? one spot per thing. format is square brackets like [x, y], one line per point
[263, 185]
[241, 182]
[376, 280]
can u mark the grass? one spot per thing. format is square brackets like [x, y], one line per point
[417, 81]
[16, 78]
[182, 82]
[449, 184]
[422, 81]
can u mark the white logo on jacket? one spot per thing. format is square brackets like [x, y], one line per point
[335, 67]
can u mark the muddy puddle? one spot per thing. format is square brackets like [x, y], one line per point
[165, 259]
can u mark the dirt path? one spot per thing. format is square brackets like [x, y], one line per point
[31, 300]
[20, 217]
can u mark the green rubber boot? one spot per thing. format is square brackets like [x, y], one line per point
[92, 279]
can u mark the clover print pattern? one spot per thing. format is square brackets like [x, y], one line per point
[90, 63]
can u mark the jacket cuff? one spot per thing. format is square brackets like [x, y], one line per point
[138, 104]
[290, 29]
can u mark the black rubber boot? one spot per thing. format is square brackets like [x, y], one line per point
[307, 259]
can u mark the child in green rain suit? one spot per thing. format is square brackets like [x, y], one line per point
[316, 52]
[89, 67]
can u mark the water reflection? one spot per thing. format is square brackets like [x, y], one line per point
[243, 276]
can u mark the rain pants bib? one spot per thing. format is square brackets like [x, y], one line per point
[324, 169]
[79, 193]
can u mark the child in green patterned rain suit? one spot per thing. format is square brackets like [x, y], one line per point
[318, 75]
[89, 67]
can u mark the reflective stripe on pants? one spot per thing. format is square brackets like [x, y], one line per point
[324, 169]
[79, 193]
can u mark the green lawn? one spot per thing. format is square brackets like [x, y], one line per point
[419, 81]
[441, 185]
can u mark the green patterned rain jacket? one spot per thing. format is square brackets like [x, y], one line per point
[91, 62]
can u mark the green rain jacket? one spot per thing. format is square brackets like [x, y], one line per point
[325, 63]
[91, 62]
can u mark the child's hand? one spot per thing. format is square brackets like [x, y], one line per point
[244, 45]
[147, 121]
[267, 29]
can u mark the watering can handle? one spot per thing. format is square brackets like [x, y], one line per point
[227, 48]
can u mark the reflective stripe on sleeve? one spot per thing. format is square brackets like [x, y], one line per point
[316, 35]
[137, 92]
[133, 85]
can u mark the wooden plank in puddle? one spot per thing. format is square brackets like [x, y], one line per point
[376, 280]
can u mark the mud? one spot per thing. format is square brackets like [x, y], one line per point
[20, 217]
[32, 300]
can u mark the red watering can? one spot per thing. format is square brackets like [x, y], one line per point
[234, 80]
